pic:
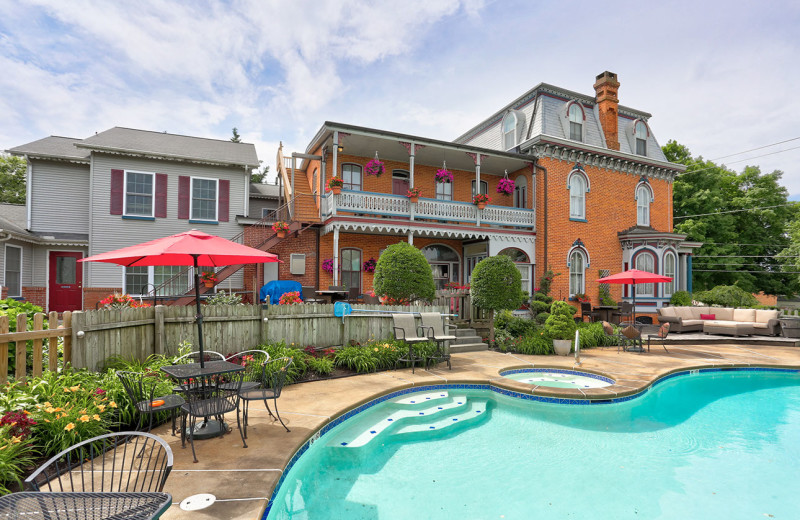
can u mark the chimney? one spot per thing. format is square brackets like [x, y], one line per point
[605, 89]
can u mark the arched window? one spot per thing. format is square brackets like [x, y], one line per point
[520, 192]
[521, 259]
[642, 205]
[444, 263]
[351, 175]
[577, 197]
[640, 133]
[645, 262]
[669, 270]
[577, 272]
[510, 131]
[351, 268]
[575, 122]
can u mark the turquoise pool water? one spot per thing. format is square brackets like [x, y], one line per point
[557, 378]
[709, 445]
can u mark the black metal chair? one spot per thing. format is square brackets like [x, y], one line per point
[433, 323]
[270, 377]
[662, 333]
[310, 295]
[586, 311]
[625, 312]
[405, 329]
[141, 389]
[123, 462]
[206, 399]
[353, 294]
[251, 360]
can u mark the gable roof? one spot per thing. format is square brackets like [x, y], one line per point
[53, 147]
[264, 191]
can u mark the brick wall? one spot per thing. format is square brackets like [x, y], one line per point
[92, 295]
[35, 295]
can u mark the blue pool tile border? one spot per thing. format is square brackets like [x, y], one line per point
[503, 391]
[558, 371]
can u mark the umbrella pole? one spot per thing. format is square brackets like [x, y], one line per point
[199, 316]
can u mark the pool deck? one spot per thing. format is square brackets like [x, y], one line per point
[243, 479]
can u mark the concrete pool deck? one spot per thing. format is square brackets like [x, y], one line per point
[243, 479]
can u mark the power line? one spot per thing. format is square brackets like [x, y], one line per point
[743, 256]
[756, 272]
[734, 244]
[739, 160]
[706, 264]
[759, 148]
[737, 210]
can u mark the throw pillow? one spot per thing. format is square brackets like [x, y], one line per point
[630, 332]
[708, 316]
[607, 328]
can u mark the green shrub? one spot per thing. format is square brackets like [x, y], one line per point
[321, 365]
[538, 306]
[223, 298]
[542, 297]
[541, 318]
[681, 299]
[592, 335]
[299, 365]
[727, 296]
[496, 284]
[560, 324]
[536, 343]
[16, 455]
[357, 358]
[513, 325]
[605, 297]
[404, 275]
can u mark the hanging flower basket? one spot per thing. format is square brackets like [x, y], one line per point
[374, 167]
[444, 175]
[505, 186]
[369, 265]
[280, 228]
[327, 265]
[414, 194]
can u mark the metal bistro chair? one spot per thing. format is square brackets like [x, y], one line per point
[141, 388]
[310, 296]
[252, 360]
[122, 462]
[661, 334]
[209, 400]
[586, 311]
[271, 375]
[405, 329]
[625, 313]
[433, 323]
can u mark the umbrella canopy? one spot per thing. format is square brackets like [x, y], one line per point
[634, 276]
[193, 248]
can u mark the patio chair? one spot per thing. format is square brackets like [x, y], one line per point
[614, 338]
[353, 294]
[625, 312]
[141, 388]
[433, 323]
[122, 462]
[271, 376]
[405, 329]
[661, 334]
[252, 361]
[586, 311]
[310, 295]
[632, 340]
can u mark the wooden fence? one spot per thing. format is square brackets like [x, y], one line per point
[38, 336]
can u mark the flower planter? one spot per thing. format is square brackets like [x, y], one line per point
[414, 199]
[281, 234]
[562, 346]
[481, 205]
[336, 190]
[208, 283]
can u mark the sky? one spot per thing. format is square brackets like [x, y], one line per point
[718, 77]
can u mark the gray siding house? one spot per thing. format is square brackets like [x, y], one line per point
[115, 189]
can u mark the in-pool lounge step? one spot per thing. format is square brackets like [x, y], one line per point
[475, 410]
[417, 400]
[359, 436]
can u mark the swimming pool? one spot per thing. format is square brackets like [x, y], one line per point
[716, 444]
[557, 378]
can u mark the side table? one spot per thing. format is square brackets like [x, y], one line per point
[790, 327]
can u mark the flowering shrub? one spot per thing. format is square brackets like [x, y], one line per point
[280, 226]
[582, 298]
[327, 265]
[455, 286]
[290, 298]
[209, 276]
[335, 182]
[480, 198]
[16, 455]
[505, 186]
[19, 423]
[223, 298]
[122, 301]
[443, 175]
[374, 167]
[369, 265]
[414, 192]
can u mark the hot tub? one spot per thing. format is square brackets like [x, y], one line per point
[557, 377]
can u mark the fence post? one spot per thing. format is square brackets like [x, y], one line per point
[38, 324]
[264, 328]
[22, 348]
[3, 351]
[158, 330]
[52, 343]
[75, 321]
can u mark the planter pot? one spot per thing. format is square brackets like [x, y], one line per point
[481, 205]
[208, 283]
[281, 234]
[562, 346]
[336, 190]
[414, 199]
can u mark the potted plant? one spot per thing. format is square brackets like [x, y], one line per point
[560, 327]
[369, 265]
[209, 278]
[374, 167]
[281, 228]
[505, 186]
[481, 200]
[414, 194]
[290, 298]
[335, 185]
[444, 175]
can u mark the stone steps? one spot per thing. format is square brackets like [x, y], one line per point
[467, 340]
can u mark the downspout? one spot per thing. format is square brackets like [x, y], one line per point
[544, 190]
[318, 266]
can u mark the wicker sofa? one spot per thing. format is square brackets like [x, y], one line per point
[737, 321]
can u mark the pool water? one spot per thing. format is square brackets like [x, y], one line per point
[707, 445]
[557, 378]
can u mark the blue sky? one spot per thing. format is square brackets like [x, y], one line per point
[719, 77]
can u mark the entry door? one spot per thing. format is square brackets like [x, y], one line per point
[66, 281]
[399, 186]
[472, 261]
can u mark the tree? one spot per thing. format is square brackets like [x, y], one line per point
[403, 274]
[236, 137]
[13, 171]
[742, 220]
[259, 176]
[496, 284]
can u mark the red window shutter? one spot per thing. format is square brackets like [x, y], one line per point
[184, 192]
[117, 191]
[161, 195]
[223, 200]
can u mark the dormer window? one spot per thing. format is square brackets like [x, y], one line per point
[575, 122]
[510, 131]
[640, 133]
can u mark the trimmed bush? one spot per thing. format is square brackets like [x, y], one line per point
[727, 296]
[496, 284]
[560, 324]
[681, 299]
[404, 275]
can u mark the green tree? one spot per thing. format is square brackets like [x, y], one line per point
[13, 171]
[496, 284]
[403, 274]
[236, 137]
[707, 206]
[259, 176]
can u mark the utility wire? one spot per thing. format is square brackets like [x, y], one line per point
[744, 256]
[737, 210]
[708, 264]
[759, 148]
[756, 272]
[739, 160]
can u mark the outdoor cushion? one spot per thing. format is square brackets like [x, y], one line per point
[667, 311]
[708, 316]
[702, 310]
[630, 332]
[607, 328]
[692, 322]
[685, 313]
[724, 313]
[758, 325]
[748, 315]
[764, 315]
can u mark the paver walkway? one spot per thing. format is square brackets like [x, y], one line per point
[243, 479]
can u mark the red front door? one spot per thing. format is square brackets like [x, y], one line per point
[66, 281]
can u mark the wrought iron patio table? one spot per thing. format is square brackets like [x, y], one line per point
[606, 312]
[30, 505]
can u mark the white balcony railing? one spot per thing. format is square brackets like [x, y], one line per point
[373, 203]
[447, 210]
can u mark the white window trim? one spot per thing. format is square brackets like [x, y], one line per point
[513, 131]
[580, 122]
[636, 137]
[151, 276]
[191, 199]
[442, 196]
[360, 265]
[648, 253]
[125, 195]
[674, 275]
[361, 175]
[483, 183]
[648, 200]
[585, 255]
[5, 264]
[577, 173]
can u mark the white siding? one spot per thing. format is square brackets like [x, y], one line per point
[60, 197]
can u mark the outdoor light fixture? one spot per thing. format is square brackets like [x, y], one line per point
[339, 148]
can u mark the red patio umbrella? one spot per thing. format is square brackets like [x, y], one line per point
[633, 277]
[190, 248]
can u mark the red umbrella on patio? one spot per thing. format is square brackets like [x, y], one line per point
[190, 248]
[633, 277]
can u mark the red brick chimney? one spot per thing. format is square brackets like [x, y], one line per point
[605, 89]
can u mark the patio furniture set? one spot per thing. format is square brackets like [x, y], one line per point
[722, 320]
[433, 328]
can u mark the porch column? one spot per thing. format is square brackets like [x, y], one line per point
[411, 237]
[411, 150]
[321, 181]
[689, 273]
[335, 255]
[293, 192]
[477, 184]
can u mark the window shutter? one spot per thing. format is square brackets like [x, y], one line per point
[117, 191]
[161, 195]
[184, 192]
[223, 198]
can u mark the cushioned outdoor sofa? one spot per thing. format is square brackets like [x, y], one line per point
[721, 320]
